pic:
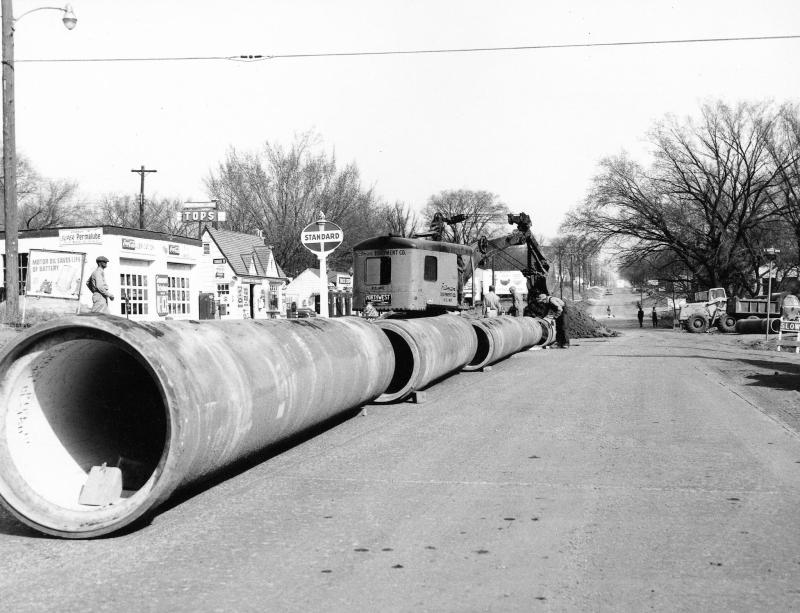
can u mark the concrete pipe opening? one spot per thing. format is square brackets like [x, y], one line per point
[71, 404]
[485, 348]
[406, 370]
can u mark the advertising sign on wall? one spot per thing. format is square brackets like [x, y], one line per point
[55, 274]
[80, 236]
[162, 293]
[138, 245]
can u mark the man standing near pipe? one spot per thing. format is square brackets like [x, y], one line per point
[99, 288]
[516, 303]
[556, 310]
[491, 303]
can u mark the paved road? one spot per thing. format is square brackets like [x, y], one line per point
[654, 471]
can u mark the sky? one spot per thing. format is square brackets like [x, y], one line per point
[527, 125]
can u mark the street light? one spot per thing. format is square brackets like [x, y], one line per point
[770, 253]
[10, 150]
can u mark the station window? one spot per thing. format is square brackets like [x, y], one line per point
[274, 292]
[378, 271]
[430, 268]
[22, 269]
[178, 296]
[223, 289]
[133, 294]
[206, 248]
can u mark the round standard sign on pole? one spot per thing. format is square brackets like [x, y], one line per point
[321, 237]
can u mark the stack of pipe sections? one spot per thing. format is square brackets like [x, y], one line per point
[500, 337]
[426, 349]
[170, 403]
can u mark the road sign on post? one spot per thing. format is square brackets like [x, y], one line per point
[321, 238]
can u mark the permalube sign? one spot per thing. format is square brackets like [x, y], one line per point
[321, 236]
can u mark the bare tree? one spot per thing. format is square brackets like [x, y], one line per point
[51, 205]
[785, 152]
[160, 214]
[281, 190]
[483, 214]
[45, 203]
[400, 220]
[705, 201]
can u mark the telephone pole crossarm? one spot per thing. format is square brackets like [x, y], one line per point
[141, 172]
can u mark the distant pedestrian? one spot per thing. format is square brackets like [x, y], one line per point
[491, 303]
[99, 288]
[516, 303]
[608, 311]
[640, 316]
[654, 316]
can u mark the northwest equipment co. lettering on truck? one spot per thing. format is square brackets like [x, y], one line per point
[714, 308]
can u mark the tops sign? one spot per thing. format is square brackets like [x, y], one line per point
[321, 237]
[199, 215]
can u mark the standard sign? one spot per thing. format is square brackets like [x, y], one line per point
[322, 239]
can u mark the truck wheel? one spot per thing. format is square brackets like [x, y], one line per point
[727, 323]
[696, 323]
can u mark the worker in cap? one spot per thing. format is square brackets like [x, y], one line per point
[556, 311]
[99, 288]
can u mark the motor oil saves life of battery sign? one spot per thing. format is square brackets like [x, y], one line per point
[321, 237]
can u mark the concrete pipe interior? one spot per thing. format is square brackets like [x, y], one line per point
[71, 404]
[484, 346]
[404, 363]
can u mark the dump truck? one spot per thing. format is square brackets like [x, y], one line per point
[713, 308]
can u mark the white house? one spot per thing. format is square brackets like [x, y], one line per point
[242, 274]
[303, 290]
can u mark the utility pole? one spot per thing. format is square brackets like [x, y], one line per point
[10, 168]
[141, 172]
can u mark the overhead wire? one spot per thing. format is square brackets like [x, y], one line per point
[337, 54]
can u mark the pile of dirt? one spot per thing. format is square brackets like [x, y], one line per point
[582, 325]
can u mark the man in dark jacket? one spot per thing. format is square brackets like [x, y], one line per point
[555, 309]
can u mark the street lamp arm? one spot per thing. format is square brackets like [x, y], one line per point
[69, 18]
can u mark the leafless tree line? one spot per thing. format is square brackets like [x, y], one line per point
[719, 189]
[275, 192]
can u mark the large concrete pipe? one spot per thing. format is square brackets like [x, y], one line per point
[499, 337]
[425, 349]
[536, 330]
[169, 403]
[548, 330]
[758, 326]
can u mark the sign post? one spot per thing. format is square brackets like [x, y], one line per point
[321, 238]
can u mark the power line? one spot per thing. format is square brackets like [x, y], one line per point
[284, 56]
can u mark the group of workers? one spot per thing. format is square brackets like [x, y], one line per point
[543, 305]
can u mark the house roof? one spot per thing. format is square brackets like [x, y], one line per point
[239, 249]
[266, 264]
[332, 274]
